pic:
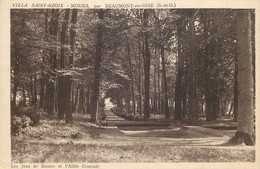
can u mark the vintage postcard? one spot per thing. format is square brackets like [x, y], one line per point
[129, 84]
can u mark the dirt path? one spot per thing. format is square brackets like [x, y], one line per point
[127, 141]
[156, 133]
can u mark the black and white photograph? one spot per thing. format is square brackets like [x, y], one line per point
[120, 85]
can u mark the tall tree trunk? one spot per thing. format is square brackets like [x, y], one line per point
[76, 99]
[31, 91]
[88, 101]
[184, 95]
[146, 68]
[62, 91]
[159, 88]
[235, 90]
[98, 60]
[35, 89]
[50, 90]
[139, 78]
[24, 96]
[155, 88]
[178, 84]
[42, 85]
[13, 105]
[68, 80]
[166, 106]
[245, 125]
[193, 106]
[73, 35]
[131, 76]
[127, 102]
[43, 75]
[162, 97]
[81, 100]
[63, 38]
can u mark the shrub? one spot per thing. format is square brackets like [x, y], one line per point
[32, 113]
[26, 121]
[16, 124]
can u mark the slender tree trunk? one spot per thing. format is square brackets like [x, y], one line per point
[73, 35]
[162, 97]
[131, 76]
[63, 37]
[245, 126]
[35, 89]
[139, 79]
[13, 105]
[166, 106]
[50, 90]
[155, 88]
[42, 84]
[24, 96]
[178, 84]
[235, 91]
[98, 60]
[81, 100]
[43, 76]
[159, 88]
[231, 108]
[76, 99]
[88, 101]
[81, 95]
[127, 102]
[31, 91]
[146, 68]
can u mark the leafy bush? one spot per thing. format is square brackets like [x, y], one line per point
[34, 114]
[17, 123]
[26, 121]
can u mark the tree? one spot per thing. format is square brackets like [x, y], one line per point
[178, 87]
[245, 126]
[50, 90]
[193, 108]
[146, 67]
[98, 60]
[62, 88]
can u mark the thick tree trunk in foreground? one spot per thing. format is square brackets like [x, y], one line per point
[245, 124]
[97, 68]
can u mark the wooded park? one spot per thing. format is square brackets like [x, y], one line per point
[139, 85]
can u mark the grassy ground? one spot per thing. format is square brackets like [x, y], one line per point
[54, 141]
